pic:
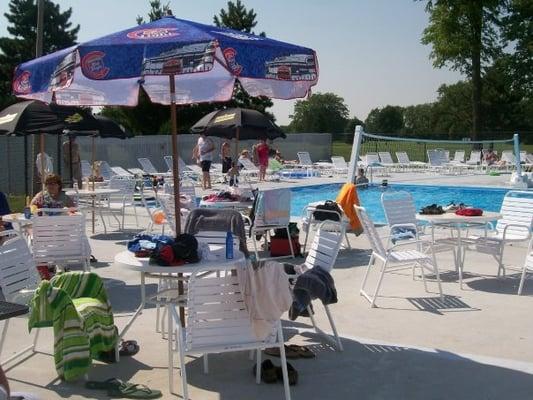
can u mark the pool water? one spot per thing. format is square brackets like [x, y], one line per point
[487, 199]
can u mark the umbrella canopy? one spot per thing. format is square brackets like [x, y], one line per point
[30, 117]
[205, 62]
[250, 124]
[98, 125]
[175, 62]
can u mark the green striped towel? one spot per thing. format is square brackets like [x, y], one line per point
[76, 305]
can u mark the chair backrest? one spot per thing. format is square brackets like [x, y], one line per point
[385, 157]
[437, 157]
[523, 155]
[446, 155]
[168, 162]
[517, 209]
[59, 238]
[17, 268]
[529, 256]
[399, 208]
[529, 158]
[86, 169]
[248, 164]
[126, 185]
[216, 314]
[147, 166]
[169, 209]
[371, 158]
[371, 232]
[402, 157]
[120, 171]
[475, 156]
[304, 158]
[215, 237]
[339, 162]
[106, 171]
[508, 157]
[187, 189]
[273, 207]
[325, 246]
[459, 156]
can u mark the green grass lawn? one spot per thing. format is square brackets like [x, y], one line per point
[16, 202]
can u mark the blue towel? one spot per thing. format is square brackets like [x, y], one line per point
[401, 233]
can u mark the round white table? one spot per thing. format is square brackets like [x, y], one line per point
[17, 219]
[217, 262]
[459, 222]
[92, 195]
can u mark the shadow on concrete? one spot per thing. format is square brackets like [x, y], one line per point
[365, 371]
[126, 298]
[439, 306]
[507, 285]
[126, 234]
[354, 258]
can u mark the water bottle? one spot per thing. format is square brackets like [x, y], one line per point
[229, 246]
[75, 186]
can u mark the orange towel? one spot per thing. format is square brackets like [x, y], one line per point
[347, 198]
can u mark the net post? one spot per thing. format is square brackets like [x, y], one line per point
[516, 140]
[356, 147]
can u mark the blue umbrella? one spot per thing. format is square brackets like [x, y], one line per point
[175, 62]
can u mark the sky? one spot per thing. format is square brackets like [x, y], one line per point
[369, 51]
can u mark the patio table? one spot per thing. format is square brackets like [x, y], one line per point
[217, 262]
[458, 223]
[18, 220]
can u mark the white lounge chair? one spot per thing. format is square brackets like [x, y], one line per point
[386, 160]
[392, 259]
[528, 266]
[117, 203]
[404, 161]
[149, 169]
[340, 166]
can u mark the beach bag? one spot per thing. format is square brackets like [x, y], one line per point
[185, 248]
[329, 205]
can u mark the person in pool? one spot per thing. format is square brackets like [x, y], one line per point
[52, 196]
[361, 180]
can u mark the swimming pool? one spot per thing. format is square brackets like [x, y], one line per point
[487, 199]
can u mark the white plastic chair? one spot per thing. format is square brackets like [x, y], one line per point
[339, 165]
[323, 253]
[249, 169]
[60, 240]
[309, 222]
[120, 171]
[18, 279]
[217, 322]
[386, 159]
[404, 161]
[392, 259]
[106, 171]
[117, 203]
[272, 212]
[515, 227]
[86, 169]
[149, 169]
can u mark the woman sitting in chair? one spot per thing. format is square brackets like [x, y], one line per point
[52, 196]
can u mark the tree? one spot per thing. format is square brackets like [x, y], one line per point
[388, 119]
[58, 33]
[321, 113]
[464, 35]
[351, 124]
[517, 28]
[239, 18]
[156, 12]
[419, 120]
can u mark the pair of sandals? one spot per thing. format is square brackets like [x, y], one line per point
[432, 209]
[127, 348]
[292, 351]
[124, 390]
[272, 374]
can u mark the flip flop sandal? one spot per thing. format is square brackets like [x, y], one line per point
[303, 351]
[268, 372]
[133, 391]
[128, 348]
[103, 385]
[275, 352]
[291, 372]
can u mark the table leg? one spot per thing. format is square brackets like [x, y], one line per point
[180, 293]
[139, 309]
[94, 209]
[459, 257]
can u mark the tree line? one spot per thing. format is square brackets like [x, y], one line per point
[489, 41]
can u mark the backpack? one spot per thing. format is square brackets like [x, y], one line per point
[329, 205]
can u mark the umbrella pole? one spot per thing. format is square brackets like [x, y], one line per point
[93, 178]
[43, 177]
[175, 177]
[70, 160]
[237, 144]
[26, 188]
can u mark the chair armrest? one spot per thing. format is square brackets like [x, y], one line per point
[522, 227]
[411, 242]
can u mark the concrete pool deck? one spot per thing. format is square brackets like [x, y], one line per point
[475, 343]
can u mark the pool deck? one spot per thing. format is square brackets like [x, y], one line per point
[475, 343]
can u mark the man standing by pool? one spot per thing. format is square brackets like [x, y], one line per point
[206, 148]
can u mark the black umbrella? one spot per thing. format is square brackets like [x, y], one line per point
[238, 123]
[35, 117]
